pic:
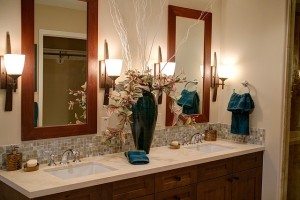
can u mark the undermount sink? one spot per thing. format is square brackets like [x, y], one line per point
[209, 148]
[79, 170]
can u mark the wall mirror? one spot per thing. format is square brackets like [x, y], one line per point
[191, 50]
[59, 93]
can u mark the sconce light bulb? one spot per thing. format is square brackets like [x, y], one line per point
[225, 71]
[168, 68]
[113, 67]
[14, 64]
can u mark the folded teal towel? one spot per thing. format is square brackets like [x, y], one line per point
[137, 157]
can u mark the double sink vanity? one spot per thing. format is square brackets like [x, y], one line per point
[210, 170]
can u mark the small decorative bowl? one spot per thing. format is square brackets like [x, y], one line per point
[174, 146]
[31, 169]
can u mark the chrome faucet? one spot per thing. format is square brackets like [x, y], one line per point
[67, 153]
[196, 138]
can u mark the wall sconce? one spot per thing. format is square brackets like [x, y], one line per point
[165, 68]
[10, 69]
[218, 74]
[110, 70]
[14, 64]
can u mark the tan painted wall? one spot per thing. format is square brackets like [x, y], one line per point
[253, 37]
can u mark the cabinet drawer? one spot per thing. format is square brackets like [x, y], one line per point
[248, 161]
[214, 169]
[133, 188]
[182, 193]
[175, 178]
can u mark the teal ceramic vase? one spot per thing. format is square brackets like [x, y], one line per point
[144, 117]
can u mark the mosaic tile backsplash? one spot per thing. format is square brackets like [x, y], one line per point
[93, 145]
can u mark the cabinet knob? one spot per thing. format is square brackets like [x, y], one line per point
[230, 179]
[177, 198]
[177, 178]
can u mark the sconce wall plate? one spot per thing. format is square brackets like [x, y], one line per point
[215, 79]
[104, 80]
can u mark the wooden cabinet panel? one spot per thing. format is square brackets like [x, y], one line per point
[8, 193]
[150, 197]
[247, 185]
[175, 178]
[182, 193]
[214, 169]
[248, 161]
[133, 188]
[91, 193]
[216, 189]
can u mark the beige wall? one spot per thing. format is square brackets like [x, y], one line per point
[253, 36]
[59, 19]
[10, 122]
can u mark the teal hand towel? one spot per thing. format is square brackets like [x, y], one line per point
[137, 157]
[189, 101]
[240, 106]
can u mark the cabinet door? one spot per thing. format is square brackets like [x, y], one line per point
[246, 185]
[215, 189]
[182, 193]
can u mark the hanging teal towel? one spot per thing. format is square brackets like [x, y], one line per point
[240, 106]
[189, 101]
[138, 157]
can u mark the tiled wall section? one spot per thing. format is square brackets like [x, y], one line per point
[93, 145]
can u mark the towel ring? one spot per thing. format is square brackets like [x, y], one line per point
[246, 84]
[195, 82]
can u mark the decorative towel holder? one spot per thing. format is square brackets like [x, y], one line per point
[195, 82]
[246, 84]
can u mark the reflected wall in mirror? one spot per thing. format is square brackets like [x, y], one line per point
[189, 45]
[60, 38]
[59, 96]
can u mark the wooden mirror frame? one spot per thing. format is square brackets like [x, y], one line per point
[173, 12]
[29, 132]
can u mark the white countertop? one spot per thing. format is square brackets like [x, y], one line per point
[41, 183]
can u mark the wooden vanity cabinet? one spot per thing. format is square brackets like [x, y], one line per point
[237, 178]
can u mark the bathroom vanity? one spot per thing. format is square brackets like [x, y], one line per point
[218, 170]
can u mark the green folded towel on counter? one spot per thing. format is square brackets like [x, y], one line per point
[137, 157]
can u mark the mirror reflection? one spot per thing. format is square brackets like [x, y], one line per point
[61, 62]
[190, 59]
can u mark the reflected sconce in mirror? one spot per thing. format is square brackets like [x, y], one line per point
[110, 70]
[163, 68]
[10, 70]
[218, 74]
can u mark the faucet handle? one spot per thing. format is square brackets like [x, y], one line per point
[51, 160]
[76, 156]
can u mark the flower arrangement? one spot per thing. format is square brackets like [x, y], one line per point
[77, 103]
[131, 89]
